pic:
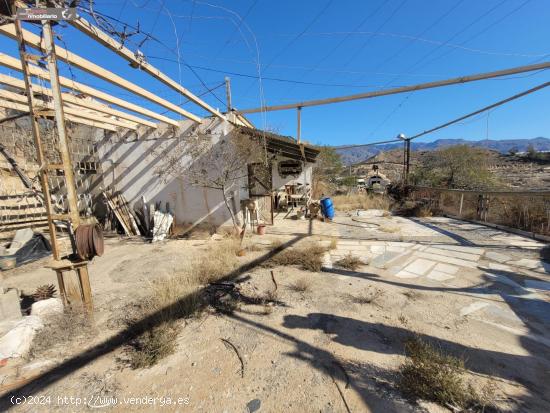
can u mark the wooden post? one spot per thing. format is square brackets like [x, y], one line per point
[403, 178]
[461, 203]
[72, 196]
[299, 127]
[408, 164]
[228, 93]
[37, 140]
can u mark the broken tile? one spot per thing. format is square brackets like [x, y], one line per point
[527, 263]
[406, 274]
[419, 266]
[439, 276]
[499, 267]
[449, 260]
[495, 256]
[453, 254]
[446, 268]
[475, 306]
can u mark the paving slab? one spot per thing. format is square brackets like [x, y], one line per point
[449, 260]
[452, 253]
[446, 268]
[439, 276]
[460, 248]
[420, 266]
[406, 274]
[527, 263]
[473, 307]
[496, 256]
[382, 260]
[537, 285]
[499, 267]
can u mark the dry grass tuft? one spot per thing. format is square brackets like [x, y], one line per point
[220, 259]
[349, 262]
[60, 329]
[301, 285]
[308, 257]
[369, 296]
[361, 201]
[175, 298]
[333, 244]
[412, 295]
[172, 298]
[254, 248]
[391, 229]
[430, 374]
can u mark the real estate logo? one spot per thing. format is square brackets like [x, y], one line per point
[47, 14]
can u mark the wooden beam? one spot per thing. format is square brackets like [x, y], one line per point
[403, 89]
[71, 111]
[69, 98]
[25, 108]
[97, 34]
[33, 40]
[15, 64]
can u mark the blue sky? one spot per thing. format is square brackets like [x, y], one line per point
[341, 47]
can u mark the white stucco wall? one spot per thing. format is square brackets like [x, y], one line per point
[131, 165]
[279, 182]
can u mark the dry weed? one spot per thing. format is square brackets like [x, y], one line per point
[360, 201]
[308, 257]
[430, 374]
[391, 229]
[369, 296]
[301, 285]
[71, 326]
[174, 298]
[349, 262]
[219, 260]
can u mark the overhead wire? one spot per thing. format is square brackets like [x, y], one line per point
[485, 29]
[181, 61]
[292, 41]
[412, 67]
[370, 37]
[236, 29]
[276, 79]
[454, 121]
[340, 43]
[484, 109]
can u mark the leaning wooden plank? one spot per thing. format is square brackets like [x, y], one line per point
[115, 211]
[82, 102]
[24, 108]
[33, 40]
[128, 213]
[95, 33]
[71, 111]
[15, 64]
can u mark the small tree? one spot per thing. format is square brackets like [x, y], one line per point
[531, 152]
[216, 166]
[455, 167]
[326, 169]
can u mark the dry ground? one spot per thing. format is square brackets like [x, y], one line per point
[334, 345]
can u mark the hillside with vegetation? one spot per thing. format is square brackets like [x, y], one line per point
[357, 154]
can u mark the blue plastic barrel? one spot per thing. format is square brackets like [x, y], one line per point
[327, 207]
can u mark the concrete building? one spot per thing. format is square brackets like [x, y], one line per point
[159, 167]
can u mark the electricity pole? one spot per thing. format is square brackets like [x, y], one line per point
[228, 93]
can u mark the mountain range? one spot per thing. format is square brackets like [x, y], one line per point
[354, 155]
